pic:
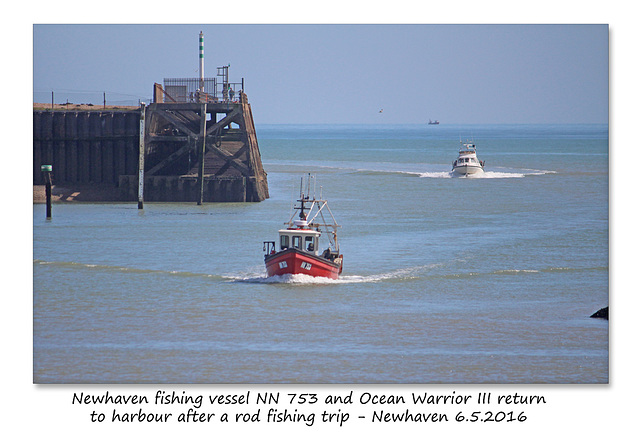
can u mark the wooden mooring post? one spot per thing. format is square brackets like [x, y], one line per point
[141, 160]
[203, 150]
[46, 169]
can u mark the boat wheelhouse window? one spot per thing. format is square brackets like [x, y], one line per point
[297, 242]
[308, 243]
[467, 160]
[284, 242]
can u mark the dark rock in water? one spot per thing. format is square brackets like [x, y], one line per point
[601, 314]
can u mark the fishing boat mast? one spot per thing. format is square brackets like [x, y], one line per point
[314, 219]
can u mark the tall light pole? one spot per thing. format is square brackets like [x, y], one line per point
[201, 62]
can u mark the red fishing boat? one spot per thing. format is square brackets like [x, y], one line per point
[298, 246]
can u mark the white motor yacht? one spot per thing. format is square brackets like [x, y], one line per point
[467, 162]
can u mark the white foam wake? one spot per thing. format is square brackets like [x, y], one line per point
[303, 279]
[487, 174]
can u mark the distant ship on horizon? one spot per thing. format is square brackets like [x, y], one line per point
[434, 122]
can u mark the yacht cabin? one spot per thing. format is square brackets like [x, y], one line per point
[467, 160]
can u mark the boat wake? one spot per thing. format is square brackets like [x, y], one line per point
[415, 170]
[123, 270]
[507, 173]
[518, 272]
[255, 275]
[486, 174]
[402, 274]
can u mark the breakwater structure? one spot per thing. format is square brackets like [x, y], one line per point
[196, 142]
[100, 149]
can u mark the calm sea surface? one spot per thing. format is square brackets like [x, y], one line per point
[446, 279]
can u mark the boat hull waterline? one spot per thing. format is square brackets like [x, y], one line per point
[294, 261]
[468, 170]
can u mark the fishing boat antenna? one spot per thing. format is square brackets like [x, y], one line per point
[315, 183]
[302, 216]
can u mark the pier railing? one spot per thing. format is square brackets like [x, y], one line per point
[71, 98]
[187, 90]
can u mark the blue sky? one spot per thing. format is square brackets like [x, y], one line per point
[345, 73]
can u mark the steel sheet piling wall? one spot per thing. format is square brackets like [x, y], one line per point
[85, 146]
[107, 148]
[37, 151]
[132, 127]
[71, 157]
[95, 124]
[59, 145]
[119, 144]
[83, 151]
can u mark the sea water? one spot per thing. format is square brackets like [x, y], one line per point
[487, 279]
